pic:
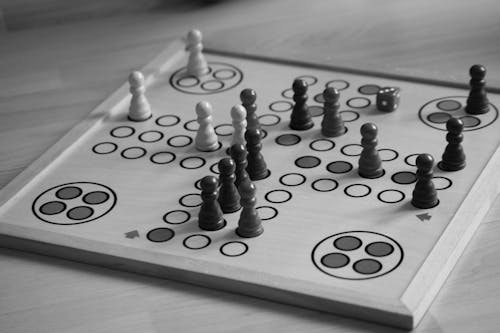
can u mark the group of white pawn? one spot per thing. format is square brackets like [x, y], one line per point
[206, 138]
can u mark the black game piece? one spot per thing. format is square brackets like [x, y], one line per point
[210, 216]
[257, 168]
[248, 98]
[453, 156]
[229, 198]
[424, 194]
[239, 155]
[477, 102]
[300, 119]
[332, 124]
[249, 224]
[370, 163]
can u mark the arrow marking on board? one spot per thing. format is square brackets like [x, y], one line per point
[132, 234]
[423, 217]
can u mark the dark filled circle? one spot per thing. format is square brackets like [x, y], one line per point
[319, 98]
[470, 121]
[52, 207]
[449, 105]
[69, 192]
[379, 249]
[369, 89]
[316, 110]
[339, 167]
[335, 260]
[307, 162]
[367, 266]
[404, 177]
[438, 117]
[160, 235]
[95, 197]
[288, 139]
[80, 213]
[347, 243]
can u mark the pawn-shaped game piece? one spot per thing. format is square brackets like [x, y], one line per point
[332, 124]
[210, 216]
[257, 168]
[248, 98]
[197, 65]
[206, 138]
[239, 155]
[249, 224]
[229, 198]
[140, 109]
[424, 194]
[477, 102]
[453, 156]
[300, 119]
[370, 163]
[238, 115]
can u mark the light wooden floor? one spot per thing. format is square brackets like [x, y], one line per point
[51, 77]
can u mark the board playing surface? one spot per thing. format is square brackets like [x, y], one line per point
[126, 194]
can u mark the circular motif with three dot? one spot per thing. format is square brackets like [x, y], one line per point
[357, 255]
[74, 203]
[220, 77]
[436, 113]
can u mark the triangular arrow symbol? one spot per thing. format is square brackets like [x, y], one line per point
[424, 216]
[132, 234]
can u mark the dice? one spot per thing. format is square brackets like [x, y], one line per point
[388, 99]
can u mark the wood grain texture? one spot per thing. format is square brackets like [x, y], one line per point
[52, 77]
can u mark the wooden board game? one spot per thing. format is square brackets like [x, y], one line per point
[126, 194]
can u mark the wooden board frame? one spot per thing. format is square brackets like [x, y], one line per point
[406, 313]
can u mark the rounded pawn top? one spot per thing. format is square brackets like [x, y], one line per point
[238, 152]
[209, 183]
[204, 109]
[369, 131]
[477, 72]
[253, 136]
[136, 79]
[455, 125]
[248, 96]
[238, 112]
[247, 189]
[226, 166]
[299, 86]
[331, 95]
[425, 162]
[194, 36]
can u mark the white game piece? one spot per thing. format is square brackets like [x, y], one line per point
[239, 114]
[139, 109]
[197, 65]
[206, 138]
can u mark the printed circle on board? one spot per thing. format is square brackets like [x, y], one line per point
[357, 255]
[74, 203]
[221, 77]
[436, 113]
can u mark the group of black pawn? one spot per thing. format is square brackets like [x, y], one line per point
[234, 190]
[370, 164]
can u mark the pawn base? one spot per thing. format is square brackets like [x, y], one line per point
[249, 233]
[477, 109]
[425, 204]
[139, 119]
[301, 127]
[373, 174]
[214, 226]
[451, 167]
